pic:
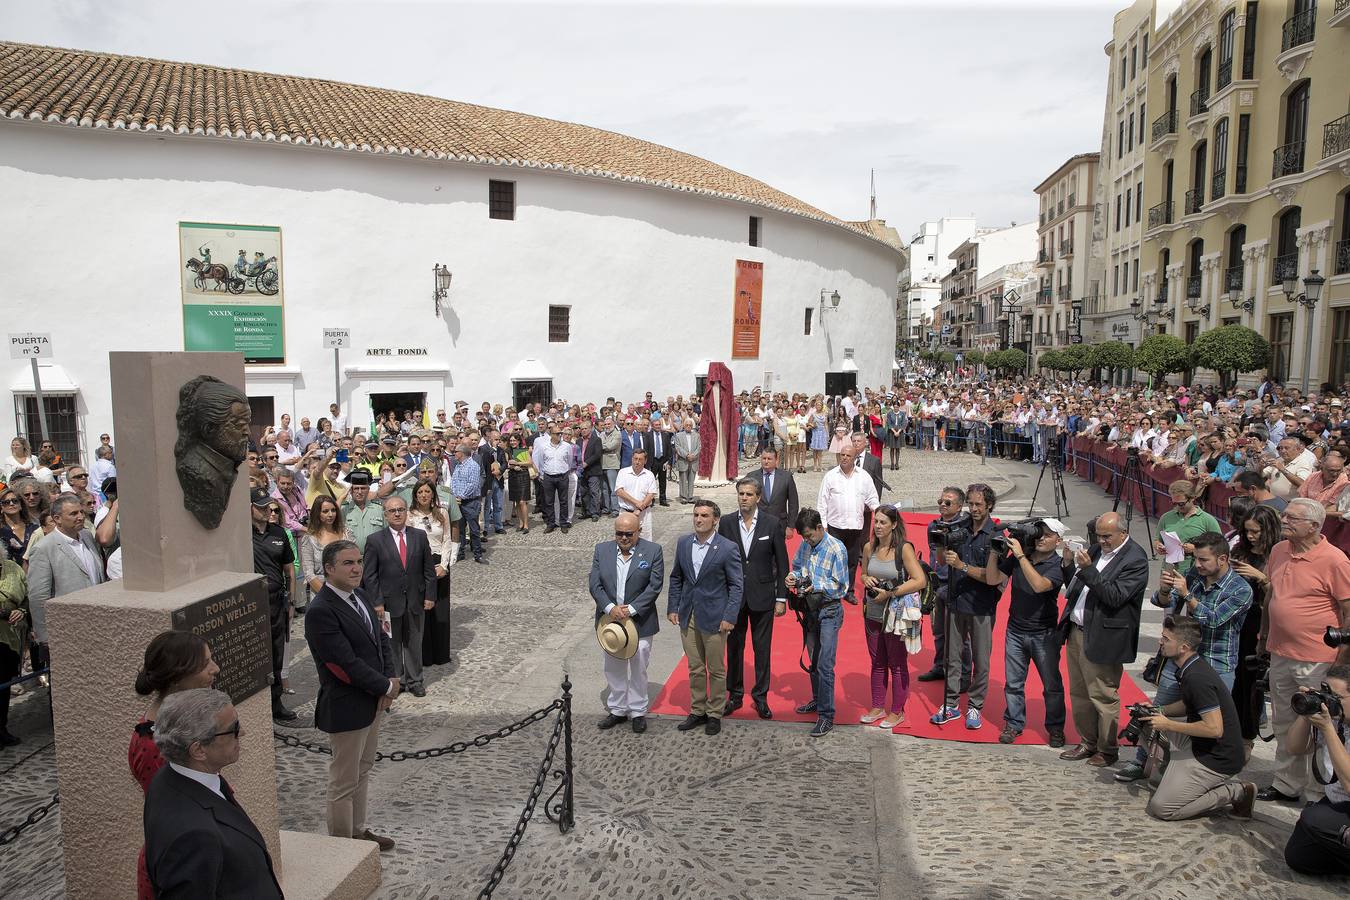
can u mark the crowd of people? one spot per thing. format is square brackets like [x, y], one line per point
[358, 530]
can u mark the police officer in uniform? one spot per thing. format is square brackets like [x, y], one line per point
[273, 559]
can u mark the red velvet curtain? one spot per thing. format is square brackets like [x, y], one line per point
[728, 413]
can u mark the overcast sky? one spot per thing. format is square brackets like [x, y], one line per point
[962, 108]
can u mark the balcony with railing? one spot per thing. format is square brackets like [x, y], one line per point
[986, 328]
[1065, 293]
[1060, 209]
[1044, 338]
[1340, 14]
[1240, 178]
[1192, 286]
[1062, 337]
[1232, 278]
[1199, 102]
[1073, 198]
[1343, 252]
[1224, 75]
[1285, 265]
[1195, 201]
[1336, 135]
[1160, 215]
[1218, 185]
[1165, 125]
[1094, 305]
[1066, 247]
[1299, 29]
[1045, 297]
[1045, 257]
[1288, 160]
[1162, 293]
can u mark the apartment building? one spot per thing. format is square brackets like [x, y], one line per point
[985, 251]
[1247, 175]
[921, 284]
[1064, 235]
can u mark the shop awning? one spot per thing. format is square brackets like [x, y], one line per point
[530, 370]
[848, 365]
[53, 377]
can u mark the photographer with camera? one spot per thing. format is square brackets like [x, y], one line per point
[1217, 598]
[970, 611]
[1320, 844]
[819, 580]
[952, 526]
[1207, 748]
[1037, 576]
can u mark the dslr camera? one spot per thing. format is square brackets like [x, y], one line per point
[1134, 729]
[943, 535]
[1307, 703]
[1336, 637]
[1260, 669]
[1027, 532]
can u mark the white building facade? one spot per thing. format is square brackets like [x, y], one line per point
[605, 284]
[921, 292]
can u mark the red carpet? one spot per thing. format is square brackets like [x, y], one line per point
[791, 687]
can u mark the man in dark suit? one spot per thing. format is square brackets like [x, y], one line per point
[868, 463]
[1100, 627]
[764, 565]
[659, 447]
[400, 578]
[199, 842]
[778, 490]
[590, 450]
[627, 574]
[705, 601]
[355, 662]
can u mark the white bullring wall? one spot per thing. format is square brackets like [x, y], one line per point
[88, 246]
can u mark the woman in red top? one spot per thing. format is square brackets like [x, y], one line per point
[174, 661]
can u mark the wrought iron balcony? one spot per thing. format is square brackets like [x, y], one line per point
[1341, 6]
[1192, 286]
[1162, 294]
[985, 328]
[1218, 185]
[1195, 200]
[1288, 160]
[1298, 29]
[1094, 305]
[1336, 134]
[1199, 102]
[1160, 215]
[1045, 256]
[1283, 265]
[1066, 247]
[1240, 178]
[1165, 124]
[1045, 297]
[1343, 251]
[1073, 198]
[1044, 338]
[1224, 75]
[1232, 278]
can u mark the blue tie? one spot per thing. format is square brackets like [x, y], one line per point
[768, 486]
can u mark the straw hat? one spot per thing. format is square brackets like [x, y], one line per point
[618, 639]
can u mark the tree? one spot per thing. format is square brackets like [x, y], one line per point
[1077, 357]
[992, 360]
[1113, 355]
[947, 357]
[1013, 360]
[1162, 354]
[1051, 361]
[1230, 350]
[974, 357]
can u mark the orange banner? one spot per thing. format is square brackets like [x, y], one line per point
[746, 309]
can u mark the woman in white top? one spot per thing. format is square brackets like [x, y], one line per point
[1143, 436]
[20, 458]
[425, 512]
[325, 526]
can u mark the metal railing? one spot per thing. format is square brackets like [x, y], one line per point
[1282, 266]
[1232, 278]
[1045, 256]
[1240, 178]
[1045, 297]
[1066, 247]
[1165, 124]
[1160, 215]
[1062, 338]
[1199, 102]
[1343, 251]
[1341, 6]
[1195, 200]
[1224, 75]
[1192, 286]
[1288, 160]
[1162, 294]
[1093, 305]
[1218, 185]
[1044, 338]
[1336, 134]
[1073, 198]
[1298, 29]
[1065, 293]
[986, 328]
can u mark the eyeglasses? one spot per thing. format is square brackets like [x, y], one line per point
[624, 534]
[9, 501]
[233, 729]
[82, 476]
[1289, 518]
[946, 503]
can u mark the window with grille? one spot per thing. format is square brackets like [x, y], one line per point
[1281, 338]
[501, 199]
[755, 224]
[559, 324]
[809, 311]
[62, 422]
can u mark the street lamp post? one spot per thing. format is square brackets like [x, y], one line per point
[1312, 292]
[442, 277]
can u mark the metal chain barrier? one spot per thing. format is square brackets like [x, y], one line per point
[10, 835]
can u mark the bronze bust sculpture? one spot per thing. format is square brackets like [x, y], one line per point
[213, 420]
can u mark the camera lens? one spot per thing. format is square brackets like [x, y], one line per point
[1306, 703]
[1336, 637]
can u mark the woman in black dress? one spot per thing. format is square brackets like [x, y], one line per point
[518, 480]
[1256, 536]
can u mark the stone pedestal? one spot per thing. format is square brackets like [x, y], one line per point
[98, 637]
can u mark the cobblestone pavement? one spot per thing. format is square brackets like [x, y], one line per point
[760, 811]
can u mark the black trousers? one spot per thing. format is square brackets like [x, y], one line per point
[853, 540]
[553, 491]
[661, 483]
[760, 625]
[279, 613]
[9, 668]
[939, 621]
[1319, 844]
[592, 493]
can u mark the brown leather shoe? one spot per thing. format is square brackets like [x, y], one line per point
[1077, 752]
[1101, 760]
[386, 844]
[1243, 807]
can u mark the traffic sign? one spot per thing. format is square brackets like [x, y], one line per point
[337, 338]
[30, 345]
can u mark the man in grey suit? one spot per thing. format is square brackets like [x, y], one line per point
[65, 561]
[778, 490]
[706, 583]
[627, 574]
[688, 446]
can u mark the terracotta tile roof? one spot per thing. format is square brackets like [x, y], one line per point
[104, 90]
[877, 228]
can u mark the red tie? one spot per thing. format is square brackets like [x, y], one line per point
[402, 550]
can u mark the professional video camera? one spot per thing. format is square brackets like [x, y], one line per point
[1139, 712]
[949, 535]
[1027, 531]
[1307, 703]
[1260, 669]
[1336, 637]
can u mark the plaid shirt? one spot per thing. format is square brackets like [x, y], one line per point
[1220, 610]
[466, 481]
[826, 564]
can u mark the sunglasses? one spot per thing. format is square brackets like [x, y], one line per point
[81, 476]
[624, 534]
[8, 501]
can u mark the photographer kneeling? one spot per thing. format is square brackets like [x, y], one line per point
[1320, 844]
[1207, 748]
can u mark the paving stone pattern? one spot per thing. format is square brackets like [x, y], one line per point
[759, 811]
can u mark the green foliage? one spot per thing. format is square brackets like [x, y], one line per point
[1077, 357]
[974, 357]
[1112, 355]
[1162, 354]
[947, 357]
[1051, 361]
[1232, 348]
[1006, 360]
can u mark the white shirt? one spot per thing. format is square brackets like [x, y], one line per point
[288, 455]
[208, 780]
[553, 459]
[349, 598]
[1303, 465]
[82, 554]
[637, 486]
[843, 498]
[1081, 603]
[748, 534]
[621, 566]
[698, 551]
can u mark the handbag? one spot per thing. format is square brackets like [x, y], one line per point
[1153, 669]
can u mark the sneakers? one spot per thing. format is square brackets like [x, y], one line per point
[805, 708]
[1009, 734]
[1130, 772]
[823, 727]
[944, 715]
[974, 721]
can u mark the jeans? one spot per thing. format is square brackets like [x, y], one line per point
[611, 502]
[821, 645]
[1169, 691]
[469, 507]
[492, 507]
[1020, 649]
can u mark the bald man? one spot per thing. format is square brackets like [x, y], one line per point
[627, 574]
[1100, 630]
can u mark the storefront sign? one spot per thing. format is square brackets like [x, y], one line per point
[746, 309]
[396, 351]
[232, 295]
[30, 345]
[1120, 329]
[235, 624]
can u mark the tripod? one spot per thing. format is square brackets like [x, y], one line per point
[1133, 475]
[1056, 485]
